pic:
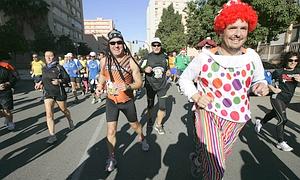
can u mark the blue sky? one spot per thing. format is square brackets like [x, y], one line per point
[129, 16]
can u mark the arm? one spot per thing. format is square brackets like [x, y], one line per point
[186, 82]
[137, 78]
[259, 86]
[101, 78]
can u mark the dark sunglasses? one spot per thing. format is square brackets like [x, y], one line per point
[293, 60]
[156, 45]
[116, 42]
[34, 57]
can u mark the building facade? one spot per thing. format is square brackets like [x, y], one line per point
[95, 33]
[155, 10]
[65, 17]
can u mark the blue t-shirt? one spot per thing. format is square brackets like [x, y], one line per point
[94, 69]
[268, 77]
[72, 67]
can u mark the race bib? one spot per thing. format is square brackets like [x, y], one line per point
[158, 72]
[112, 88]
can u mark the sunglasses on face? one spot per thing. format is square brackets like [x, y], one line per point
[156, 45]
[293, 60]
[116, 42]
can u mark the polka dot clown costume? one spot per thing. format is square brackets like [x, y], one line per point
[224, 80]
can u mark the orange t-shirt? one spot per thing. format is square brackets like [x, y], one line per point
[116, 87]
[6, 65]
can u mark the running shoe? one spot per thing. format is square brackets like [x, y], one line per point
[71, 125]
[110, 164]
[51, 139]
[160, 129]
[93, 101]
[145, 145]
[258, 126]
[10, 126]
[284, 146]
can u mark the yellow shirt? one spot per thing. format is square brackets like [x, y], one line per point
[36, 67]
[61, 62]
[171, 62]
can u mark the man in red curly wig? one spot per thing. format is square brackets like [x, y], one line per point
[225, 75]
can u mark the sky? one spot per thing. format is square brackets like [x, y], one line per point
[129, 16]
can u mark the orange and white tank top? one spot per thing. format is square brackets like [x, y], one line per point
[116, 86]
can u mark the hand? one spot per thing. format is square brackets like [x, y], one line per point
[2, 86]
[202, 101]
[168, 73]
[297, 77]
[148, 69]
[56, 81]
[99, 90]
[38, 86]
[260, 89]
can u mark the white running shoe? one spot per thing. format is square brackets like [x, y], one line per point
[258, 126]
[110, 164]
[10, 126]
[93, 101]
[284, 146]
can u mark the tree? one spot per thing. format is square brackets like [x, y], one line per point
[274, 18]
[11, 40]
[170, 30]
[64, 45]
[20, 13]
[83, 49]
[44, 39]
[142, 52]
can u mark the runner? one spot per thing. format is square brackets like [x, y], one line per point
[93, 69]
[156, 83]
[54, 76]
[73, 68]
[122, 75]
[36, 71]
[7, 81]
[225, 75]
[285, 83]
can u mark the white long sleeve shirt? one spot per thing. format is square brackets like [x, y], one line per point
[227, 79]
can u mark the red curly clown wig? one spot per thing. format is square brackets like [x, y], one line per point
[231, 12]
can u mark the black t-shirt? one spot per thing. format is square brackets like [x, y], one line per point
[157, 78]
[55, 71]
[6, 76]
[286, 82]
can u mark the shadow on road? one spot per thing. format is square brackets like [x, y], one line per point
[269, 165]
[177, 159]
[133, 163]
[28, 153]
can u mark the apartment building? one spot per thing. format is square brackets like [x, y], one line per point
[95, 32]
[65, 17]
[155, 10]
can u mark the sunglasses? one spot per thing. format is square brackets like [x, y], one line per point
[293, 60]
[34, 57]
[156, 45]
[116, 42]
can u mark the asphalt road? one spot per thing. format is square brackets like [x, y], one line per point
[81, 153]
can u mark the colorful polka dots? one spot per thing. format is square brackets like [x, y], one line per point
[217, 83]
[228, 87]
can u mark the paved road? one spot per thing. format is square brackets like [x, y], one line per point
[81, 153]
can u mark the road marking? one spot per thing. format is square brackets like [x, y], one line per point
[85, 156]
